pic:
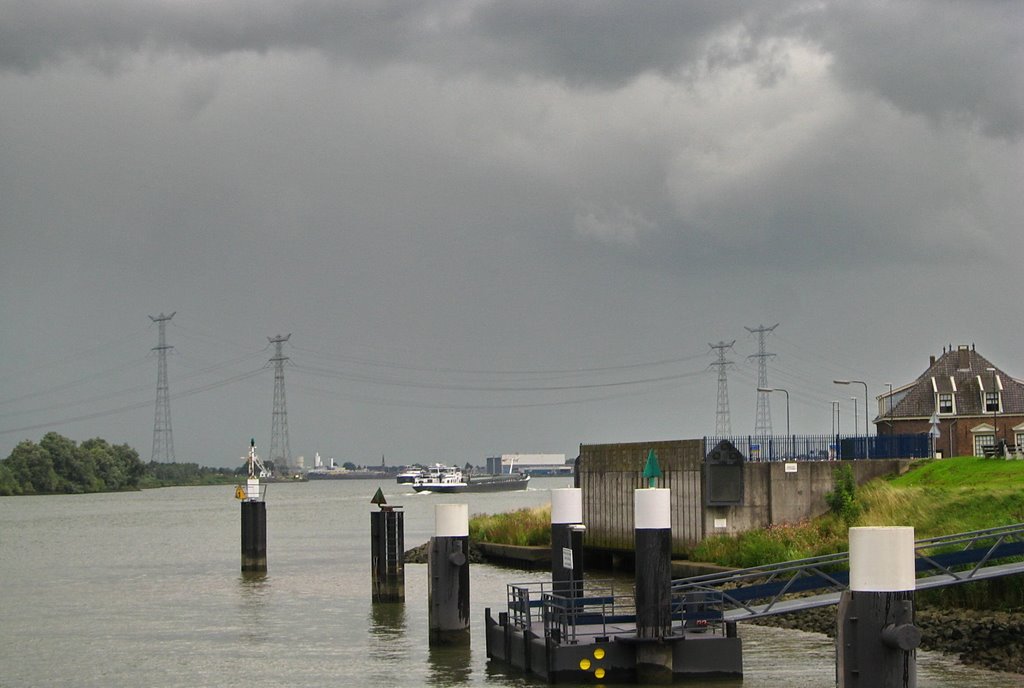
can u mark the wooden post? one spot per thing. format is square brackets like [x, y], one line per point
[387, 554]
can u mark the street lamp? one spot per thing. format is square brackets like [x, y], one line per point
[867, 444]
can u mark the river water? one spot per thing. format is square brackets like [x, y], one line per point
[145, 589]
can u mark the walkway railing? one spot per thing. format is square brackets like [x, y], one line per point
[706, 603]
[941, 561]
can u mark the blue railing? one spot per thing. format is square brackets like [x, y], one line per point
[825, 447]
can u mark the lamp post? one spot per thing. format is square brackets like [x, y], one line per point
[867, 444]
[779, 389]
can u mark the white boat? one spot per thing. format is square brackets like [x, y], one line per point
[409, 476]
[449, 479]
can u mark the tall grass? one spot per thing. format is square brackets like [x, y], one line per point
[524, 527]
[938, 497]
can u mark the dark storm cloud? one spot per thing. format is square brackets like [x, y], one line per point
[500, 186]
[945, 60]
[950, 61]
[599, 42]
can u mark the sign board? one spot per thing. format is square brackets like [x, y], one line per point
[791, 468]
[567, 558]
[721, 523]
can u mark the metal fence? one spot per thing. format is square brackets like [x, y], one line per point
[825, 447]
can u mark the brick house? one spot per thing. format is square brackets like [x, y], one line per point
[977, 405]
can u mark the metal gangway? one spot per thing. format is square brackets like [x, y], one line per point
[819, 581]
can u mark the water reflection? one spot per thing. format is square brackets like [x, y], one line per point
[387, 620]
[449, 665]
[254, 592]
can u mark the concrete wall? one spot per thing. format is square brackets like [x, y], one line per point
[609, 473]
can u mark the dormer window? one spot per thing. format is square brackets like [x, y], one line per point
[992, 402]
[945, 403]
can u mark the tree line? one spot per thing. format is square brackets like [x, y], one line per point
[58, 465]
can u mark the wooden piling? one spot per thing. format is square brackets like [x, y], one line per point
[387, 555]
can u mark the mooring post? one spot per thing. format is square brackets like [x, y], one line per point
[254, 517]
[567, 541]
[387, 551]
[876, 639]
[448, 576]
[652, 517]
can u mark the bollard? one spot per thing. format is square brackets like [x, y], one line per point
[448, 576]
[876, 640]
[567, 542]
[387, 554]
[653, 545]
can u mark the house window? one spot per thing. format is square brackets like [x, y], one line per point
[981, 442]
[945, 402]
[992, 402]
[1018, 439]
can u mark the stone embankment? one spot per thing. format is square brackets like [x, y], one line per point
[987, 639]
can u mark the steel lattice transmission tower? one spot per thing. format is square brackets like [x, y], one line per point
[723, 426]
[763, 422]
[163, 440]
[280, 454]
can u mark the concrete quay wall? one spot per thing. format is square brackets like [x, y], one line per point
[760, 494]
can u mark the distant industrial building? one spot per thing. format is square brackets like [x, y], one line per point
[531, 464]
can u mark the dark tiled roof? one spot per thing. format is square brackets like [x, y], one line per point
[964, 367]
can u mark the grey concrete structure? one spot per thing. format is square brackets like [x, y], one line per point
[768, 492]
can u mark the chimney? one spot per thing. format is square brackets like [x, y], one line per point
[931, 361]
[963, 357]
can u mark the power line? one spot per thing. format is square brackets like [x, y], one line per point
[135, 406]
[449, 386]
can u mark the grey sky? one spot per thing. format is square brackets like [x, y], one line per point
[496, 226]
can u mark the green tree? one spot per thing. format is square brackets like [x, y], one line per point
[9, 485]
[33, 467]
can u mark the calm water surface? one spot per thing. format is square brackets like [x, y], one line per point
[144, 589]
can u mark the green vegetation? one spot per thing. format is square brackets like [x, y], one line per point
[936, 497]
[523, 527]
[168, 474]
[842, 501]
[57, 465]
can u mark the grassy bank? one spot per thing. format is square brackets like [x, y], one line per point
[936, 497]
[524, 527]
